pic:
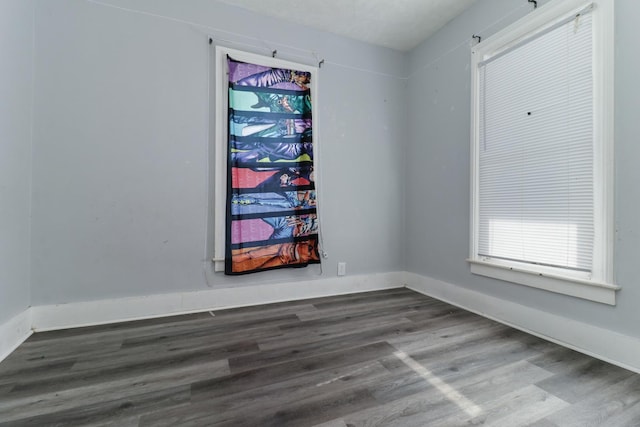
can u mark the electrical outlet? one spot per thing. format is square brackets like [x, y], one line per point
[342, 268]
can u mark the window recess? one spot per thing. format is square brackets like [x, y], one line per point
[542, 141]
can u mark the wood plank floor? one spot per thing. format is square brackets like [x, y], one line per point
[390, 358]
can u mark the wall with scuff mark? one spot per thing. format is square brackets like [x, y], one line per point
[121, 161]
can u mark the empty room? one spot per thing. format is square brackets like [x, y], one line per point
[319, 213]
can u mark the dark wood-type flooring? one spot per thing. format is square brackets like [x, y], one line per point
[390, 358]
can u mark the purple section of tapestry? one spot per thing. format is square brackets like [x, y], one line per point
[249, 230]
[284, 227]
[242, 70]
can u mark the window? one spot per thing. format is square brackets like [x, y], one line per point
[219, 133]
[542, 151]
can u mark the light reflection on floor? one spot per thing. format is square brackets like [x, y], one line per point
[449, 392]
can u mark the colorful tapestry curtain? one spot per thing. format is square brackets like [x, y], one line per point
[271, 200]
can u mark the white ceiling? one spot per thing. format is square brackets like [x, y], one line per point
[397, 24]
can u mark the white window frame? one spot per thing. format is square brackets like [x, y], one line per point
[221, 126]
[599, 284]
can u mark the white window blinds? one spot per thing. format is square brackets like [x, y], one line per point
[536, 149]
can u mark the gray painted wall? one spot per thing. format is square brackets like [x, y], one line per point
[16, 101]
[120, 183]
[437, 214]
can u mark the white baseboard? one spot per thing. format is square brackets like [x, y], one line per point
[604, 344]
[14, 332]
[62, 316]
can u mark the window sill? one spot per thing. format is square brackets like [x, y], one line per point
[580, 288]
